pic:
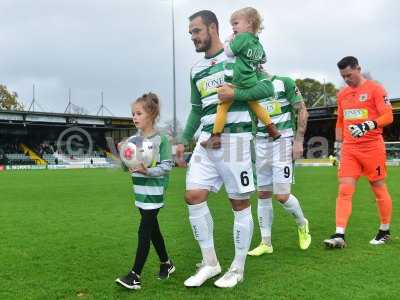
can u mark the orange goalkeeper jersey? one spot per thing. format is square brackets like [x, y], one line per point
[367, 102]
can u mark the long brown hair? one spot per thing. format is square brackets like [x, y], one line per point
[151, 105]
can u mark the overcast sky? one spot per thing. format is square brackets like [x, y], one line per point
[124, 47]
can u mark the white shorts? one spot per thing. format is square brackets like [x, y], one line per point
[230, 165]
[274, 165]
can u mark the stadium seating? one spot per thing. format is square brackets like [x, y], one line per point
[19, 159]
[79, 159]
[52, 159]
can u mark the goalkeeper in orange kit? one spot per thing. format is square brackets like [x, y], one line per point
[363, 110]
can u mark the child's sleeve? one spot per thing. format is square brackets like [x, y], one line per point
[293, 94]
[238, 43]
[227, 48]
[262, 90]
[166, 163]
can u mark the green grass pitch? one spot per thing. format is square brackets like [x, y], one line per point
[68, 234]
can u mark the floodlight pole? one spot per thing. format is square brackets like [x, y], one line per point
[32, 104]
[173, 68]
[69, 102]
[33, 99]
[103, 107]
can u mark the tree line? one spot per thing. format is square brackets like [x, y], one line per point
[315, 94]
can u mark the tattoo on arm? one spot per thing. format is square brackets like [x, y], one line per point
[302, 117]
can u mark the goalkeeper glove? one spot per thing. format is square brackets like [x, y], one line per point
[358, 130]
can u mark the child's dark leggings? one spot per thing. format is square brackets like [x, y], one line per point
[149, 230]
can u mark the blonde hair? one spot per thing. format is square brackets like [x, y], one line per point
[151, 105]
[252, 16]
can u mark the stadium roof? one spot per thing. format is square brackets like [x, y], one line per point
[329, 112]
[45, 118]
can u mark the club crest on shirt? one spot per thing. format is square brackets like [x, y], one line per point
[213, 62]
[387, 101]
[363, 97]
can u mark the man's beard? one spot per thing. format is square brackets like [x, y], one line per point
[206, 44]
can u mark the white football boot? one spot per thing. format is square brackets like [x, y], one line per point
[381, 238]
[204, 272]
[230, 279]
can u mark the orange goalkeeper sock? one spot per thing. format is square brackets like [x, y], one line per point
[220, 118]
[384, 203]
[260, 112]
[343, 204]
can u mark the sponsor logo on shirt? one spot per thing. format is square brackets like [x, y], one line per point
[272, 107]
[355, 114]
[208, 85]
[255, 54]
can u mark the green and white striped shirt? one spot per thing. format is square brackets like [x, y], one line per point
[281, 107]
[149, 189]
[206, 75]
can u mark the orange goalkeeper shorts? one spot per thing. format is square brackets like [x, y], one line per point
[366, 160]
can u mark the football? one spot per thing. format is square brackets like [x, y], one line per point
[136, 151]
